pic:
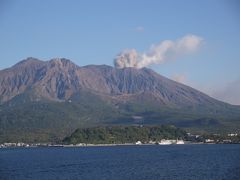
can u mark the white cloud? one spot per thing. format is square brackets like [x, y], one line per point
[160, 53]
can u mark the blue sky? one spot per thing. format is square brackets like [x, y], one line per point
[94, 32]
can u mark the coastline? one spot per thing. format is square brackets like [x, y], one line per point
[104, 145]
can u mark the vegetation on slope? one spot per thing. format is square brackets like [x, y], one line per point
[124, 134]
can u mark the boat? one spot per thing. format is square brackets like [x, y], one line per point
[165, 142]
[180, 142]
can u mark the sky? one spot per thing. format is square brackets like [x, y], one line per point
[95, 32]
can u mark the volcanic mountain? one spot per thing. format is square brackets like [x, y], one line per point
[46, 100]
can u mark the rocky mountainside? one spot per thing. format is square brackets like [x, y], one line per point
[59, 79]
[34, 93]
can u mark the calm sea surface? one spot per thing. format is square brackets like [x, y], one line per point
[122, 162]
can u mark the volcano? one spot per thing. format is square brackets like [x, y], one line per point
[46, 100]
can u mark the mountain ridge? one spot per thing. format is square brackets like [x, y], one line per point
[101, 69]
[101, 94]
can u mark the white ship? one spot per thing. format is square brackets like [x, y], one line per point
[168, 142]
[180, 142]
[165, 142]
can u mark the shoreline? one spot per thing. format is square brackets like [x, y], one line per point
[104, 145]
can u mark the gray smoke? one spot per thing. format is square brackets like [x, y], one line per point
[127, 58]
[157, 54]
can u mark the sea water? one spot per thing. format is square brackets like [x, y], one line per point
[122, 162]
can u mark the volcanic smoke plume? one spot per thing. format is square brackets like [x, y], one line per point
[157, 54]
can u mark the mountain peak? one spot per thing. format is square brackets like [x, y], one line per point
[61, 62]
[28, 61]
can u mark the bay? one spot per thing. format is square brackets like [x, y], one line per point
[218, 161]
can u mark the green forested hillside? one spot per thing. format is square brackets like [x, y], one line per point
[124, 134]
[43, 121]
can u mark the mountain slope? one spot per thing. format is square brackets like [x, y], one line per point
[51, 98]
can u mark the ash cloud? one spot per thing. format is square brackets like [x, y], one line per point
[157, 54]
[181, 78]
[230, 93]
